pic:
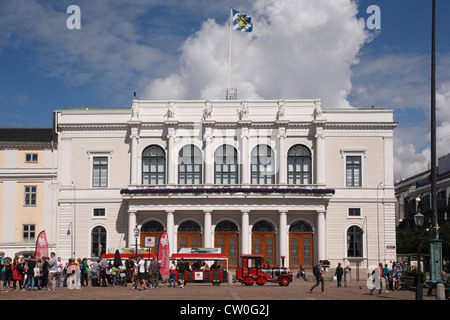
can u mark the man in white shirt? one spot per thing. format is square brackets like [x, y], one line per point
[141, 272]
[52, 272]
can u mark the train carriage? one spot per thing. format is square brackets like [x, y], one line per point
[215, 275]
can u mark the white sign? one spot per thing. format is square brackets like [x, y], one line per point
[149, 241]
[198, 275]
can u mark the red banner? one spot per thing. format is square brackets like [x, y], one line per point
[164, 254]
[41, 245]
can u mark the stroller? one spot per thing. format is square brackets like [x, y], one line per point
[122, 278]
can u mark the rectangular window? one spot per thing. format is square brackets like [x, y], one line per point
[353, 171]
[30, 195]
[100, 172]
[354, 212]
[31, 157]
[99, 212]
[29, 233]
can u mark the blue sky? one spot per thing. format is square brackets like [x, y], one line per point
[178, 49]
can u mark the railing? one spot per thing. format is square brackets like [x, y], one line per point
[285, 189]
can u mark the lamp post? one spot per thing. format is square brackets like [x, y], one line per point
[435, 242]
[419, 220]
[136, 236]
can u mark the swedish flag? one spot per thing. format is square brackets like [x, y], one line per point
[242, 22]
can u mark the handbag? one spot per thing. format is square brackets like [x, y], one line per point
[334, 277]
[36, 272]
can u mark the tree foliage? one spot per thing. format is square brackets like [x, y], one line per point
[407, 240]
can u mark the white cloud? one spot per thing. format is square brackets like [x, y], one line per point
[108, 50]
[408, 159]
[298, 49]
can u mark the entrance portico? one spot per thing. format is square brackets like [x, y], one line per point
[259, 220]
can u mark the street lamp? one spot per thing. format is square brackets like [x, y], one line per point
[419, 220]
[136, 236]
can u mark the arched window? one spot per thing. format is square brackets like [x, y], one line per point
[354, 242]
[226, 226]
[189, 226]
[225, 165]
[153, 165]
[263, 226]
[299, 165]
[98, 245]
[300, 226]
[190, 165]
[152, 226]
[263, 165]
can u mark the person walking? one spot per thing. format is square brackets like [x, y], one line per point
[141, 272]
[317, 271]
[377, 274]
[52, 272]
[338, 274]
[154, 272]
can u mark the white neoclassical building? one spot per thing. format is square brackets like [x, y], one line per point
[275, 177]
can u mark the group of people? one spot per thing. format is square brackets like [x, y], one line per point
[28, 274]
[391, 275]
[144, 274]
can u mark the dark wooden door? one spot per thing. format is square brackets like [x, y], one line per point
[229, 243]
[300, 249]
[265, 243]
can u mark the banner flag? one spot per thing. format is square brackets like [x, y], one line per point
[41, 246]
[164, 254]
[242, 22]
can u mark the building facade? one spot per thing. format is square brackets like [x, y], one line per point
[280, 178]
[414, 193]
[28, 189]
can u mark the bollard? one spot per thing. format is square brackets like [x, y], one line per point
[347, 276]
[230, 278]
[383, 285]
[440, 292]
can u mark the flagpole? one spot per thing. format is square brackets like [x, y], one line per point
[229, 56]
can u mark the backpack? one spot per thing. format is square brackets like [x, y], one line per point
[316, 271]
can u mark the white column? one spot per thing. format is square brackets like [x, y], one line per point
[134, 158]
[283, 236]
[170, 228]
[207, 229]
[281, 156]
[131, 226]
[171, 157]
[245, 243]
[208, 157]
[319, 156]
[321, 235]
[245, 165]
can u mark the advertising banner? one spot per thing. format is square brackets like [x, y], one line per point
[164, 254]
[41, 246]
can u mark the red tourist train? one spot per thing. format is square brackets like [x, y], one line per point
[253, 271]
